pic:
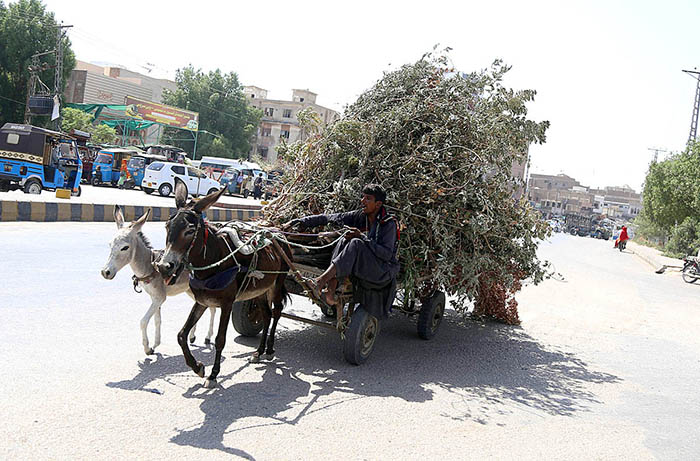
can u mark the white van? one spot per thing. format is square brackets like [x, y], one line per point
[161, 176]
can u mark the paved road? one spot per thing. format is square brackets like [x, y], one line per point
[605, 365]
[113, 195]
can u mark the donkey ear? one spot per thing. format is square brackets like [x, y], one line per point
[136, 225]
[205, 202]
[118, 216]
[180, 194]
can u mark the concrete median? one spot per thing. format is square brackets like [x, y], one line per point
[87, 212]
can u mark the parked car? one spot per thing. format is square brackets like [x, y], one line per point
[161, 176]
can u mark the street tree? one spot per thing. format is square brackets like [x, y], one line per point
[228, 120]
[79, 120]
[26, 28]
[671, 197]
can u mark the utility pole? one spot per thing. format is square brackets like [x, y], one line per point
[696, 106]
[656, 152]
[58, 76]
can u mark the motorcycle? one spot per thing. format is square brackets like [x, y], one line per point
[691, 269]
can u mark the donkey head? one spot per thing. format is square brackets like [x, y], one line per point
[184, 231]
[123, 244]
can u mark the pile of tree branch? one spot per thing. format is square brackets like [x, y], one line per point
[443, 145]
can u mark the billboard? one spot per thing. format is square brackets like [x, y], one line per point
[160, 113]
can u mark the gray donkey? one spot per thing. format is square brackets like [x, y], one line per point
[131, 247]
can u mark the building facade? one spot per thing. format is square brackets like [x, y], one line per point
[93, 84]
[560, 194]
[279, 122]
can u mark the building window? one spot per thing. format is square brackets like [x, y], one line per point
[269, 111]
[262, 150]
[287, 113]
[266, 131]
[252, 95]
[284, 134]
[301, 99]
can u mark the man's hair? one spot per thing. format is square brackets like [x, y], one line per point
[376, 190]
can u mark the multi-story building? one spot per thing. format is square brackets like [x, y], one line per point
[93, 84]
[279, 122]
[561, 194]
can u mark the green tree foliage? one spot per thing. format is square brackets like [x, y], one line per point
[443, 146]
[26, 28]
[222, 108]
[79, 120]
[672, 195]
[685, 238]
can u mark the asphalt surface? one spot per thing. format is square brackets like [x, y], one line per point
[112, 195]
[604, 365]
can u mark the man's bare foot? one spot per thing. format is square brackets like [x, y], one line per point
[331, 299]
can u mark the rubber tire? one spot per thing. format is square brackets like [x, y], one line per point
[165, 187]
[147, 190]
[95, 181]
[360, 322]
[430, 316]
[240, 318]
[77, 194]
[30, 187]
[688, 278]
[212, 190]
[328, 311]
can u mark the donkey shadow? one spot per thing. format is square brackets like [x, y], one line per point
[489, 364]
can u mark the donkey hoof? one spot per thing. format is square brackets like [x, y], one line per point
[207, 341]
[268, 356]
[200, 369]
[150, 351]
[255, 358]
[210, 383]
[192, 338]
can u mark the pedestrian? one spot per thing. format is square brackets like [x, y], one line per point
[257, 187]
[122, 175]
[239, 182]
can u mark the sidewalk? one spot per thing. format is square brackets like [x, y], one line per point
[654, 257]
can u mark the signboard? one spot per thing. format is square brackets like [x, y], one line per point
[160, 113]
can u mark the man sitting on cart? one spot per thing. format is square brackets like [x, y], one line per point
[369, 250]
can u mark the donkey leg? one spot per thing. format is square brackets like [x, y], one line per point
[192, 337]
[155, 304]
[156, 320]
[270, 352]
[220, 343]
[195, 314]
[212, 311]
[266, 315]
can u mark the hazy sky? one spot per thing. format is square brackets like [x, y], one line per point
[608, 73]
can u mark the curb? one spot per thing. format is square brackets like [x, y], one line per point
[87, 212]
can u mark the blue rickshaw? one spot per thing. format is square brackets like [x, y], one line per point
[108, 163]
[137, 167]
[33, 159]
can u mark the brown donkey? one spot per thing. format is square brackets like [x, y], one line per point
[192, 242]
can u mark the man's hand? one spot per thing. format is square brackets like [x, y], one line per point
[289, 224]
[353, 232]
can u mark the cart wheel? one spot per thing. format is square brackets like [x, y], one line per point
[244, 320]
[328, 311]
[77, 193]
[430, 315]
[360, 336]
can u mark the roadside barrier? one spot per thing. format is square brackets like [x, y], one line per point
[87, 212]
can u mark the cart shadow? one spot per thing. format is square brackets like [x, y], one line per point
[489, 367]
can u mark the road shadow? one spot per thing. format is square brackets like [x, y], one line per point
[488, 364]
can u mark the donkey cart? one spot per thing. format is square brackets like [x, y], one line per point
[358, 318]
